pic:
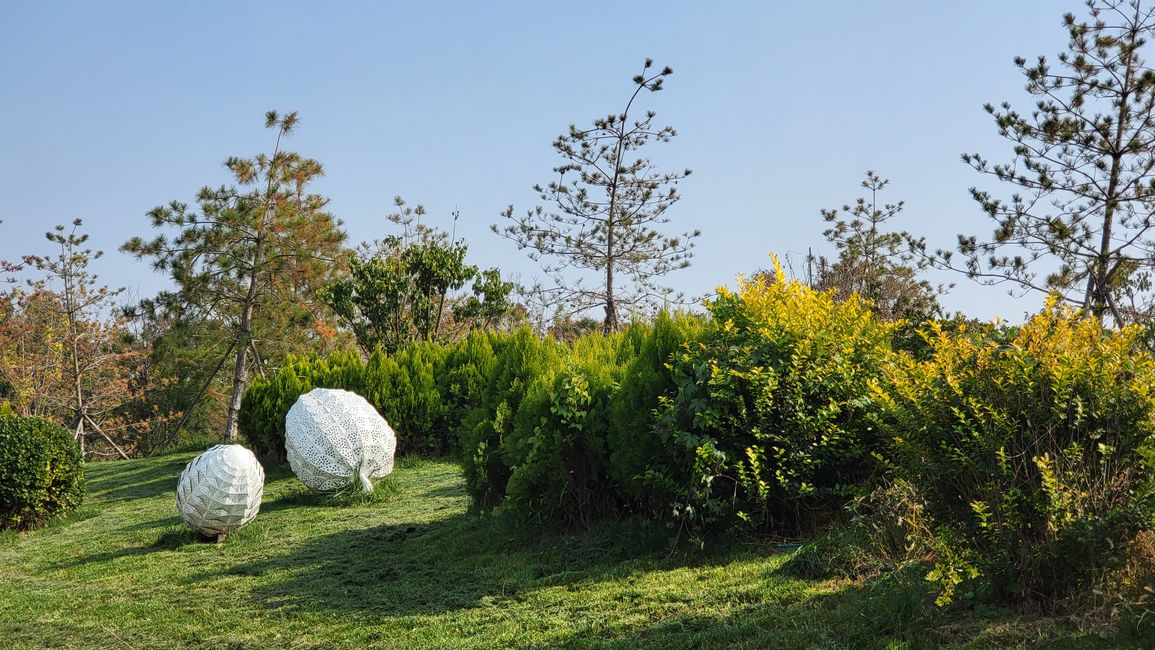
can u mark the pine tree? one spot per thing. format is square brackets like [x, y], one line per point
[1083, 174]
[607, 205]
[878, 264]
[253, 250]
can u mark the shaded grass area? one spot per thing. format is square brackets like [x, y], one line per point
[410, 567]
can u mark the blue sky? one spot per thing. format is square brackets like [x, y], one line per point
[109, 109]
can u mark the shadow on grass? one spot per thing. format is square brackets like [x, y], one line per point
[112, 482]
[445, 491]
[172, 536]
[163, 522]
[449, 564]
[886, 613]
[388, 569]
[894, 610]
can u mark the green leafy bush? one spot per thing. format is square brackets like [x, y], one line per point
[41, 472]
[520, 359]
[264, 405]
[557, 451]
[639, 456]
[1034, 456]
[770, 414]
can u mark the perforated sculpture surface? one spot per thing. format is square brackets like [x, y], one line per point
[220, 490]
[335, 437]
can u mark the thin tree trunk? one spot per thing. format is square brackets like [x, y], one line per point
[244, 334]
[1099, 297]
[79, 433]
[611, 322]
[440, 312]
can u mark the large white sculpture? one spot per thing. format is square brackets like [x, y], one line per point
[334, 437]
[220, 490]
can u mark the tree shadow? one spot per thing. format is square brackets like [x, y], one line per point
[387, 570]
[765, 618]
[108, 482]
[893, 610]
[458, 562]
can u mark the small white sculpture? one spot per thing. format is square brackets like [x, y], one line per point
[333, 437]
[220, 490]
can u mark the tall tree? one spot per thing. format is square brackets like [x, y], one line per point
[607, 205]
[875, 262]
[1079, 221]
[252, 250]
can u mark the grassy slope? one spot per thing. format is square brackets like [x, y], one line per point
[414, 570]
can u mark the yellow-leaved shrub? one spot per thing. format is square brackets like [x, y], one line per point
[1033, 455]
[772, 406]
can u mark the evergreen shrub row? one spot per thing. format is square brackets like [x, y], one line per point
[422, 391]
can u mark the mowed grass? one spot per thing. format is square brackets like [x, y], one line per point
[410, 567]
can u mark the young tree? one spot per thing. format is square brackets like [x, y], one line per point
[31, 358]
[608, 204]
[398, 287]
[879, 265]
[1080, 219]
[253, 251]
[79, 364]
[489, 304]
[182, 388]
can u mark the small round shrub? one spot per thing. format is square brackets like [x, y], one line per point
[41, 472]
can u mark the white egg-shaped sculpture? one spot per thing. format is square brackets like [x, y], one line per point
[335, 437]
[220, 490]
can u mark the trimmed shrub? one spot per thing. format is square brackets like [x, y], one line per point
[520, 359]
[639, 456]
[1034, 457]
[41, 472]
[264, 405]
[404, 391]
[557, 450]
[461, 378]
[404, 388]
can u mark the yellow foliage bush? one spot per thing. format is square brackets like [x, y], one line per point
[1034, 456]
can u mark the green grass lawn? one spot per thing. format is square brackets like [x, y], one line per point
[411, 568]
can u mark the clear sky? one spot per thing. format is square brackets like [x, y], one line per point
[109, 109]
